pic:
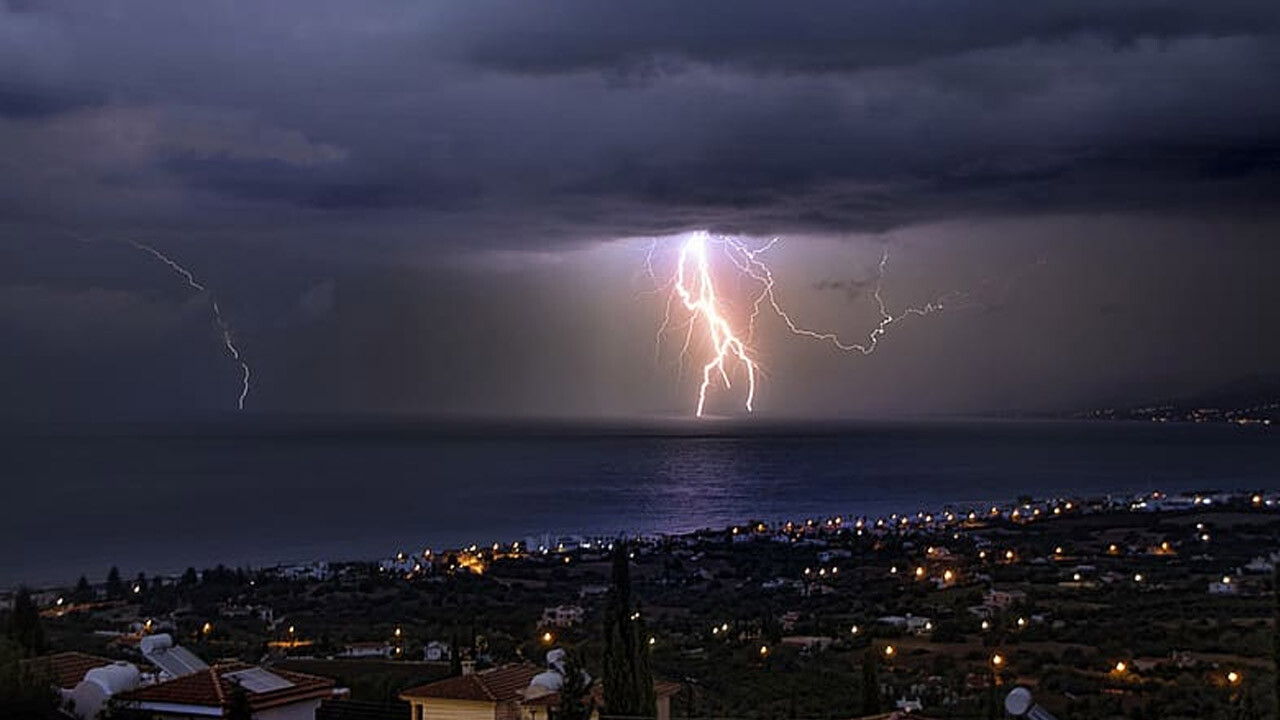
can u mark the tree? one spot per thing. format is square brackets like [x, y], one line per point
[870, 683]
[1275, 632]
[238, 707]
[22, 693]
[190, 578]
[628, 675]
[83, 592]
[455, 654]
[576, 702]
[115, 586]
[24, 624]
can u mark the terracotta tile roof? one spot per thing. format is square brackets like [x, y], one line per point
[501, 684]
[505, 684]
[661, 688]
[66, 669]
[212, 688]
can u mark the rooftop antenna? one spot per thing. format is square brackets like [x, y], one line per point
[1020, 704]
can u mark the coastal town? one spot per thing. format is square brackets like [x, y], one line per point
[1152, 605]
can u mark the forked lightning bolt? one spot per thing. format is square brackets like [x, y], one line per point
[694, 287]
[227, 340]
[698, 294]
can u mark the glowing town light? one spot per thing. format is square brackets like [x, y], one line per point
[997, 660]
[1234, 677]
[729, 345]
[889, 651]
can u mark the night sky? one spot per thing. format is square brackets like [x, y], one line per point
[445, 208]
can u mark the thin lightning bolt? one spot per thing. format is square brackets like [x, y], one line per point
[227, 340]
[693, 287]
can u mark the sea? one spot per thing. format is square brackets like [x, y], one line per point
[157, 498]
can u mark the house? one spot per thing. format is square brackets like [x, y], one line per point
[172, 661]
[376, 649]
[348, 709]
[810, 643]
[587, 591]
[272, 694]
[919, 625]
[1002, 599]
[436, 651]
[521, 691]
[1223, 588]
[561, 616]
[83, 682]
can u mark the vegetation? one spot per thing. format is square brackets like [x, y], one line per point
[628, 676]
[23, 694]
[576, 702]
[24, 626]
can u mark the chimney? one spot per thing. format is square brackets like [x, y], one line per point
[468, 667]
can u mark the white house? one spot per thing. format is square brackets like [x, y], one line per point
[436, 651]
[562, 616]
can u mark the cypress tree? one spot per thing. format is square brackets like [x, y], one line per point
[115, 586]
[24, 624]
[628, 675]
[83, 592]
[1275, 632]
[870, 683]
[455, 654]
[576, 702]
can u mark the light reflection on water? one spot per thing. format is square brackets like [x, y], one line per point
[81, 504]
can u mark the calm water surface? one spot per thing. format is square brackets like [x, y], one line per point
[160, 499]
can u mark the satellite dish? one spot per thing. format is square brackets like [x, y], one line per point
[1018, 702]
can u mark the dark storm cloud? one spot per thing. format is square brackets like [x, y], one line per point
[295, 151]
[812, 35]
[594, 120]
